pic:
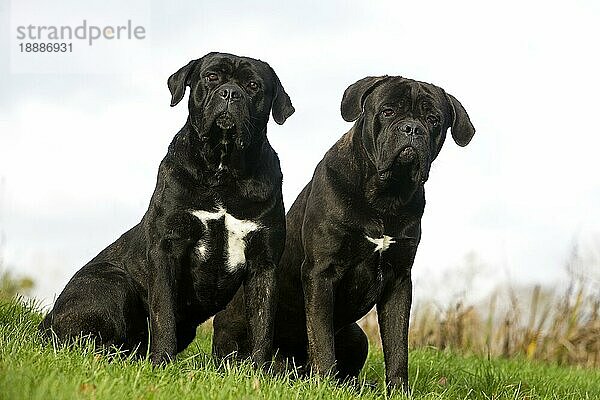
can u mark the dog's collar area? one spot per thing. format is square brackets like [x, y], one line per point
[381, 244]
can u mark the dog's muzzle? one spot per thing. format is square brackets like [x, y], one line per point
[408, 164]
[407, 156]
[410, 159]
[225, 121]
[406, 159]
[229, 122]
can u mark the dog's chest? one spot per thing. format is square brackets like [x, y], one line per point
[396, 237]
[365, 279]
[381, 244]
[225, 237]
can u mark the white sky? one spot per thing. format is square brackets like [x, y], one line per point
[79, 151]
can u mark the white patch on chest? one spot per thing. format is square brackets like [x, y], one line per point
[236, 231]
[381, 244]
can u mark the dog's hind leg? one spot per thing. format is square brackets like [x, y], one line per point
[185, 335]
[99, 302]
[351, 350]
[230, 329]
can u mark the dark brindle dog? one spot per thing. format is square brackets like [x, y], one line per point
[216, 220]
[353, 232]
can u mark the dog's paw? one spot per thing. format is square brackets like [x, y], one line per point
[160, 359]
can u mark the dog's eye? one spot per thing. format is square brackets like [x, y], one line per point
[433, 120]
[252, 85]
[388, 112]
[212, 77]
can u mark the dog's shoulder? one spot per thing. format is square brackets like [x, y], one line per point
[340, 170]
[265, 181]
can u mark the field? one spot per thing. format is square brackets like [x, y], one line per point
[31, 369]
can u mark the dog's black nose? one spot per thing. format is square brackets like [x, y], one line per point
[229, 92]
[410, 128]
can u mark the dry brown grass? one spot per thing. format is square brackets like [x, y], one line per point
[555, 326]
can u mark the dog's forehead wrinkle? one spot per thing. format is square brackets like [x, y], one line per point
[231, 67]
[246, 74]
[396, 93]
[244, 64]
[224, 61]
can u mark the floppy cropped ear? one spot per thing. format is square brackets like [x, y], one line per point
[281, 107]
[462, 129]
[355, 95]
[178, 81]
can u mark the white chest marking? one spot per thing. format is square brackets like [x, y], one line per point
[381, 244]
[236, 230]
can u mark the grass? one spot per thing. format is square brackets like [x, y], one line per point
[32, 369]
[554, 326]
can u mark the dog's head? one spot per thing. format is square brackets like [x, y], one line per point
[403, 126]
[230, 101]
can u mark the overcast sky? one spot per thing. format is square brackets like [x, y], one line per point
[82, 134]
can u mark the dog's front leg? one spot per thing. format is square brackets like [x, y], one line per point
[161, 299]
[260, 290]
[317, 282]
[394, 314]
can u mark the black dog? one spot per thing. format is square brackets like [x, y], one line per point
[353, 232]
[216, 220]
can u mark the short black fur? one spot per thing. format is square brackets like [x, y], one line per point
[169, 273]
[353, 232]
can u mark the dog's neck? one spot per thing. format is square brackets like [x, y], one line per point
[204, 163]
